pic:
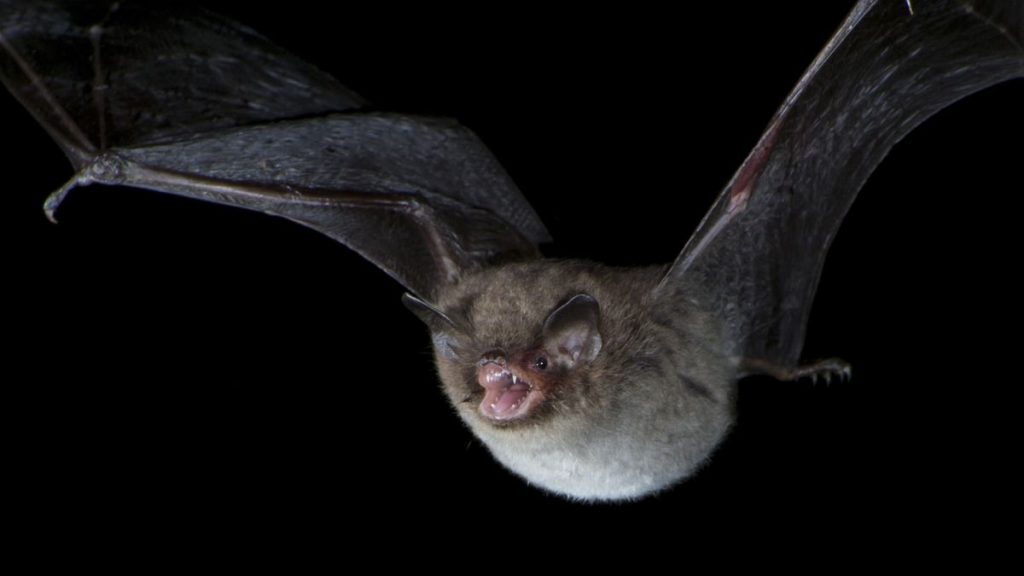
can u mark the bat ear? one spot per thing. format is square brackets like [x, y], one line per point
[572, 330]
[442, 329]
[431, 315]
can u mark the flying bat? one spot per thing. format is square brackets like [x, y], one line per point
[589, 381]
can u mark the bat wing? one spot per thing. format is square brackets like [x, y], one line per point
[757, 255]
[190, 103]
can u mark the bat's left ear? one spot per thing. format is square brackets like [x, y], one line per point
[431, 315]
[572, 330]
[442, 329]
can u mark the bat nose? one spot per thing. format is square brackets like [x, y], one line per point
[493, 357]
[492, 375]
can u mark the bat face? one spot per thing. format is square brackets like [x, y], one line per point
[517, 339]
[124, 252]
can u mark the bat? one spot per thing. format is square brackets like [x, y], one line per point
[586, 310]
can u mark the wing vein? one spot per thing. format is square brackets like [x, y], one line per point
[86, 148]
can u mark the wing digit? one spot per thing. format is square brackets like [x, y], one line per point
[758, 253]
[191, 103]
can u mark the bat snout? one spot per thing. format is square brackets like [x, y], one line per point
[507, 396]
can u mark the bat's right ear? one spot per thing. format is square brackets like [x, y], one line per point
[442, 329]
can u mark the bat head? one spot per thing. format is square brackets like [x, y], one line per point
[516, 382]
[510, 362]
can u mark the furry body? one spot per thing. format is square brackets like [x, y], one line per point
[645, 413]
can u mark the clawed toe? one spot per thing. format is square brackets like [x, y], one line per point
[824, 369]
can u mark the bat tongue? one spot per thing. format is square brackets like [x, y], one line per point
[502, 402]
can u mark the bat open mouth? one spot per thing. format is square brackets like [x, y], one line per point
[507, 396]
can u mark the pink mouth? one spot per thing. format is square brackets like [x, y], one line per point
[507, 396]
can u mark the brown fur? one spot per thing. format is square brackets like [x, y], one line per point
[643, 414]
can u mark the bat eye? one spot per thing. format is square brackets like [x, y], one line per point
[541, 363]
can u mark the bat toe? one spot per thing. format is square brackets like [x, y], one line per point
[827, 370]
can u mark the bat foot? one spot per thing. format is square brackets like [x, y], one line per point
[823, 369]
[826, 370]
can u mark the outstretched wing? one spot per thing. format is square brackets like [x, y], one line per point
[757, 255]
[190, 103]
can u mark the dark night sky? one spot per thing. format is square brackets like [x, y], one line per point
[186, 359]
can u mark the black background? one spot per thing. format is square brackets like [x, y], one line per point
[179, 360]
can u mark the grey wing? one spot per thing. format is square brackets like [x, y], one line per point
[191, 103]
[103, 75]
[756, 258]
